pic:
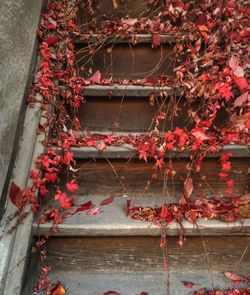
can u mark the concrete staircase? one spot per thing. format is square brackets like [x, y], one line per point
[110, 251]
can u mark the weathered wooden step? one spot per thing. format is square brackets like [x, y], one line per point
[112, 221]
[144, 255]
[131, 265]
[133, 114]
[137, 178]
[140, 114]
[121, 61]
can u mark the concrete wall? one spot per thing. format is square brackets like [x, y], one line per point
[18, 22]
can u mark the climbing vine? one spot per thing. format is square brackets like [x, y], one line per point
[211, 53]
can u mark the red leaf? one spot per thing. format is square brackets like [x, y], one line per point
[188, 284]
[239, 101]
[65, 201]
[16, 195]
[107, 201]
[96, 77]
[164, 212]
[241, 82]
[128, 204]
[59, 290]
[144, 293]
[111, 293]
[156, 40]
[233, 277]
[51, 41]
[94, 211]
[84, 207]
[101, 146]
[199, 135]
[72, 186]
[188, 186]
[233, 63]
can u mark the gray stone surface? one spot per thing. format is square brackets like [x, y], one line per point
[134, 283]
[18, 22]
[112, 220]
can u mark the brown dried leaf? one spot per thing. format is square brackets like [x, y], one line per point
[188, 187]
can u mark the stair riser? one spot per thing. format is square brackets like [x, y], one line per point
[104, 9]
[143, 254]
[122, 62]
[137, 178]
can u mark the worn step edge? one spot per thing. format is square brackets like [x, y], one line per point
[134, 283]
[128, 90]
[140, 39]
[127, 151]
[112, 221]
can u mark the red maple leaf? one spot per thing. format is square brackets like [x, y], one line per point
[65, 201]
[224, 90]
[72, 186]
[16, 195]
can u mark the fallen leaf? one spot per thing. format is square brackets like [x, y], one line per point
[188, 186]
[233, 63]
[101, 146]
[239, 101]
[199, 135]
[188, 284]
[107, 201]
[164, 212]
[59, 290]
[241, 82]
[233, 277]
[16, 195]
[111, 293]
[84, 207]
[96, 77]
[53, 40]
[94, 211]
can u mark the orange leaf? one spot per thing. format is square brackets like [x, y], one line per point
[59, 290]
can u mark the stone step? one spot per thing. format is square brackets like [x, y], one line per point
[77, 283]
[113, 221]
[127, 90]
[126, 151]
[110, 38]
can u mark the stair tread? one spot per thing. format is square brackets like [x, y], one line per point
[134, 283]
[128, 90]
[140, 38]
[126, 151]
[112, 220]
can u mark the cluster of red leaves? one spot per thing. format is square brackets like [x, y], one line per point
[211, 51]
[224, 209]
